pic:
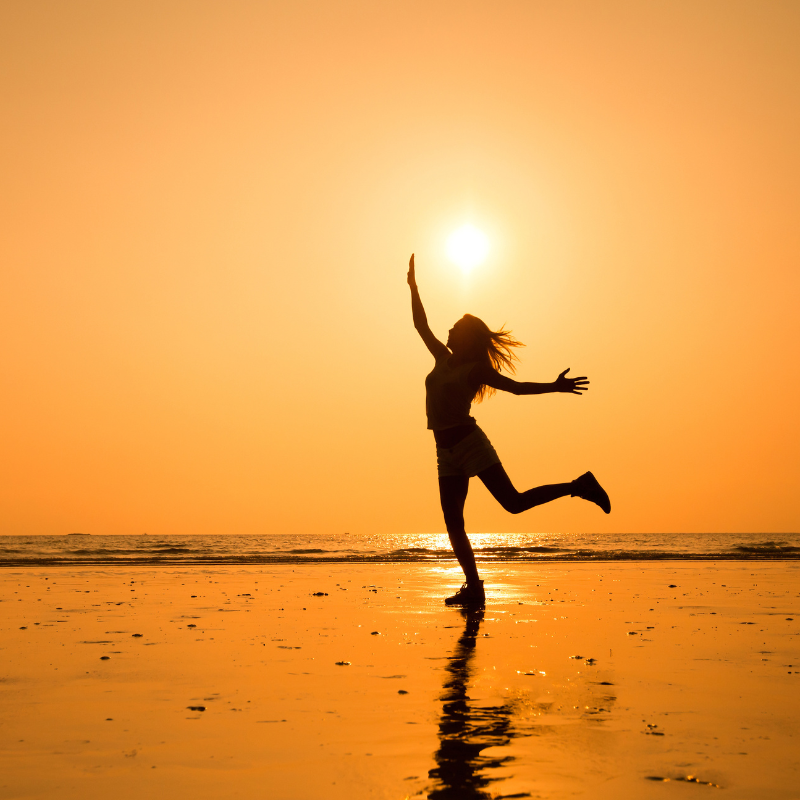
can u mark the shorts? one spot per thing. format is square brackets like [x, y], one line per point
[473, 454]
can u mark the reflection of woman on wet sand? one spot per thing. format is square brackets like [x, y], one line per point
[466, 729]
[467, 369]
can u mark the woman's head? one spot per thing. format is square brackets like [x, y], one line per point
[471, 339]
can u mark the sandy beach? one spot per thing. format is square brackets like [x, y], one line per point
[605, 680]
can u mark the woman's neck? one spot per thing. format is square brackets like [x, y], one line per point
[457, 359]
[461, 357]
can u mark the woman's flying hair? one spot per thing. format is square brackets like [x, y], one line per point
[494, 347]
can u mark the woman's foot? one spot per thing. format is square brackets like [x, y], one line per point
[587, 488]
[468, 595]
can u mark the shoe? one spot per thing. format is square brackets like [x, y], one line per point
[468, 596]
[587, 488]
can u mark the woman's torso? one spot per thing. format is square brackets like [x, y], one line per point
[449, 393]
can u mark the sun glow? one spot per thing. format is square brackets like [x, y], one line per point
[467, 247]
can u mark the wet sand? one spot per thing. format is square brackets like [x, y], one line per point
[631, 680]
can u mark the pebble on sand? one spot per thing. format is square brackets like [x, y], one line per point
[342, 663]
[196, 708]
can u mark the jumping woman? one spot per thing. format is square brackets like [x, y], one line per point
[467, 369]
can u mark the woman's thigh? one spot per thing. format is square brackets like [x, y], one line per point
[496, 480]
[453, 494]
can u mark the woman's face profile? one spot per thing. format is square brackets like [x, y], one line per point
[460, 336]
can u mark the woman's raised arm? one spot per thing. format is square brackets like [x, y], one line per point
[420, 319]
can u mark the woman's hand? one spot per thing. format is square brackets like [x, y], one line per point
[412, 280]
[570, 385]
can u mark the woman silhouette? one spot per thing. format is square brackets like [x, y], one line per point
[467, 369]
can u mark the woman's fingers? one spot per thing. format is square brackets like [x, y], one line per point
[579, 385]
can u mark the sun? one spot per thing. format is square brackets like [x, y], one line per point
[467, 247]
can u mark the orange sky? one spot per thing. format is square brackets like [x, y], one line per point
[207, 213]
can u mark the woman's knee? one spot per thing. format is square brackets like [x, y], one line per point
[456, 533]
[512, 503]
[455, 527]
[503, 490]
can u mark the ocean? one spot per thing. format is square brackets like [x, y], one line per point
[86, 549]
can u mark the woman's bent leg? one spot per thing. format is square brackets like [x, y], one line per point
[496, 480]
[453, 494]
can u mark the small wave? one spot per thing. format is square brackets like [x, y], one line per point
[308, 551]
[767, 548]
[419, 553]
[105, 551]
[512, 551]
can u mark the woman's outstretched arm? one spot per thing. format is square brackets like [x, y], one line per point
[420, 319]
[482, 373]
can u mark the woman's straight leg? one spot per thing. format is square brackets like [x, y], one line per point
[453, 494]
[496, 480]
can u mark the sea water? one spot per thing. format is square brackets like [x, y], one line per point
[275, 548]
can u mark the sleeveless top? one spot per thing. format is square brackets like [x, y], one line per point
[448, 395]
